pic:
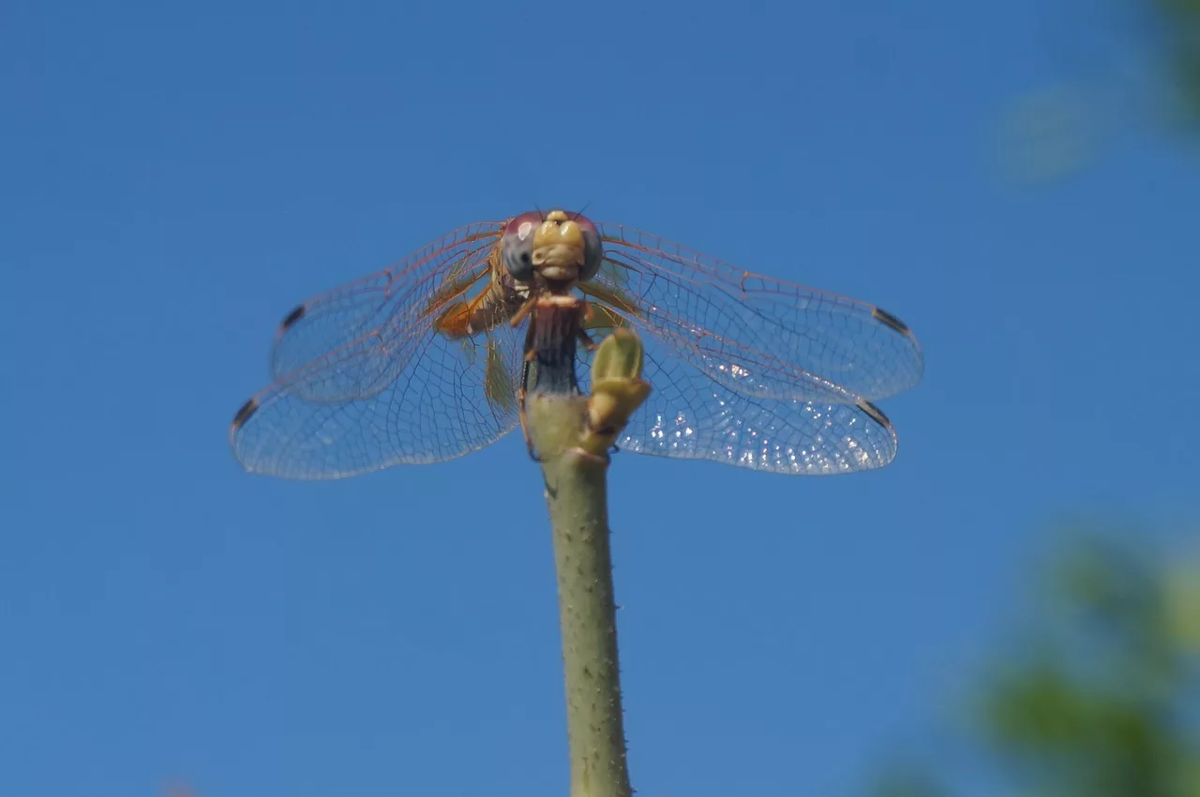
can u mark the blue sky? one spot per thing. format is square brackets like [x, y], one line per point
[177, 176]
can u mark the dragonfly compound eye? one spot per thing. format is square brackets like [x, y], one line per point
[593, 251]
[517, 245]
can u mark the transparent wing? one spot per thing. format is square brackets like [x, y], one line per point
[755, 335]
[691, 415]
[368, 322]
[375, 383]
[458, 396]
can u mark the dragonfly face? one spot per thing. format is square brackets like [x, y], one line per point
[421, 362]
[554, 246]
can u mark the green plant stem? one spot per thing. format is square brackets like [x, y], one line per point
[576, 494]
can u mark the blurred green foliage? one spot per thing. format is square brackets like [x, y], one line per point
[1102, 697]
[1142, 72]
[1180, 25]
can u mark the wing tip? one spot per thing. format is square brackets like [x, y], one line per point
[243, 415]
[292, 317]
[875, 414]
[883, 316]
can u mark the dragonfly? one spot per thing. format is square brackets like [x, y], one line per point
[428, 360]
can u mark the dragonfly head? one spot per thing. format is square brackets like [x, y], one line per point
[557, 246]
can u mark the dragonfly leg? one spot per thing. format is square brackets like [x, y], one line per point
[589, 343]
[517, 318]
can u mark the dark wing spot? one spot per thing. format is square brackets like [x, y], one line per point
[243, 415]
[292, 318]
[891, 321]
[875, 413]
